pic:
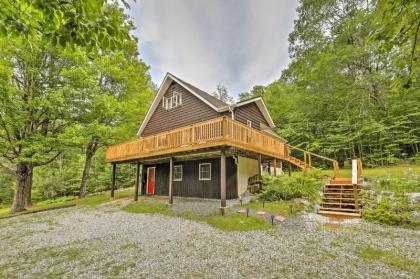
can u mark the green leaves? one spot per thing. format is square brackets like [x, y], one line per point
[351, 89]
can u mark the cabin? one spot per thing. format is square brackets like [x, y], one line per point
[191, 144]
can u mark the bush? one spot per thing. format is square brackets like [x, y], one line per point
[390, 210]
[306, 184]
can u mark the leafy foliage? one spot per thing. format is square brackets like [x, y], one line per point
[352, 87]
[389, 210]
[306, 184]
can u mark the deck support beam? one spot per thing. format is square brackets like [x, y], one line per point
[171, 173]
[223, 178]
[136, 187]
[259, 170]
[114, 170]
[275, 167]
[290, 168]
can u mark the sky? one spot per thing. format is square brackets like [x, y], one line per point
[235, 43]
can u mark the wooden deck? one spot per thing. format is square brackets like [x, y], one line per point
[220, 131]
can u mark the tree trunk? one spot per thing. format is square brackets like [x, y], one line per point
[90, 152]
[28, 187]
[19, 199]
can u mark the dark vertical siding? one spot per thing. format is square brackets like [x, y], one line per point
[250, 112]
[192, 110]
[191, 186]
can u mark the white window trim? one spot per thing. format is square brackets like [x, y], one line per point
[199, 171]
[249, 123]
[182, 174]
[172, 102]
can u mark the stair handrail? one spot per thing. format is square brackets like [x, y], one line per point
[308, 160]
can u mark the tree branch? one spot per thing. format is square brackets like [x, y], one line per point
[37, 164]
[8, 170]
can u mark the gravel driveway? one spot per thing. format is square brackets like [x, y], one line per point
[104, 243]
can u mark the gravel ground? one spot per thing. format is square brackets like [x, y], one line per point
[104, 243]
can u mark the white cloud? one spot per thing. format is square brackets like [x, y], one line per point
[237, 43]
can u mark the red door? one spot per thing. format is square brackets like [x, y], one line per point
[151, 180]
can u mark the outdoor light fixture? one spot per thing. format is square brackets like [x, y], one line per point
[247, 212]
[272, 220]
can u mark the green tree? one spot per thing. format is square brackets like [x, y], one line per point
[88, 23]
[351, 89]
[33, 111]
[222, 94]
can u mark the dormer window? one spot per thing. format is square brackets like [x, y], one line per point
[172, 102]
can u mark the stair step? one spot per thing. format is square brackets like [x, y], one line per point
[339, 209]
[339, 188]
[338, 203]
[347, 214]
[338, 185]
[343, 190]
[339, 198]
[344, 195]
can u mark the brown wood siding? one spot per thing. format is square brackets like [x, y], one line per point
[192, 110]
[191, 186]
[250, 112]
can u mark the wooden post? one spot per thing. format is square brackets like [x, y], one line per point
[259, 169]
[114, 170]
[223, 178]
[171, 171]
[275, 167]
[269, 168]
[290, 169]
[136, 187]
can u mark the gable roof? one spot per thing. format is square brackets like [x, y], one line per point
[259, 101]
[208, 99]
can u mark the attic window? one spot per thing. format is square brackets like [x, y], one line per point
[172, 102]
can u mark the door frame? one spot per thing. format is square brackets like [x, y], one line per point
[147, 180]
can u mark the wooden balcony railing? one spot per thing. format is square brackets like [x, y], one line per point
[216, 132]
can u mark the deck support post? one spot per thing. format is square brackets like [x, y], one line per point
[114, 170]
[259, 169]
[136, 187]
[223, 179]
[275, 167]
[269, 167]
[290, 168]
[171, 171]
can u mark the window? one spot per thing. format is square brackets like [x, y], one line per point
[204, 171]
[177, 173]
[249, 123]
[172, 102]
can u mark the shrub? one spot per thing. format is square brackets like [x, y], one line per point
[390, 210]
[306, 184]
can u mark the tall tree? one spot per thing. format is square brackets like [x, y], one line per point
[33, 111]
[351, 89]
[222, 94]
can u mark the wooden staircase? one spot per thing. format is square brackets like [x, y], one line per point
[341, 198]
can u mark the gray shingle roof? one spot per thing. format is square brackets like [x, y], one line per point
[211, 99]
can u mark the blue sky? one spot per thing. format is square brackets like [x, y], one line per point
[236, 43]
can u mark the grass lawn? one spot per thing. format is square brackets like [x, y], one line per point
[403, 178]
[284, 208]
[230, 222]
[90, 200]
[390, 258]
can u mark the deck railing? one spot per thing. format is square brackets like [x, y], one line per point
[218, 131]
